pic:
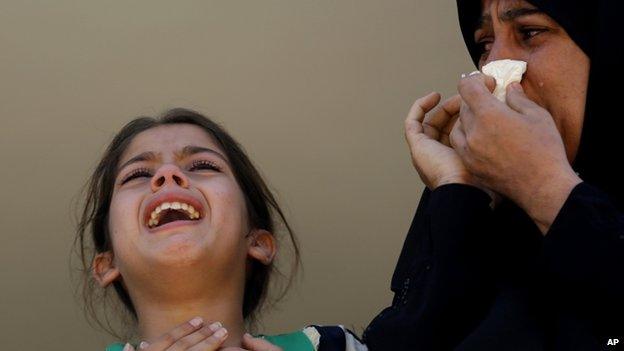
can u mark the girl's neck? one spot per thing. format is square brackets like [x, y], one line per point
[158, 318]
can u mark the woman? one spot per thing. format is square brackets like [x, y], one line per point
[542, 269]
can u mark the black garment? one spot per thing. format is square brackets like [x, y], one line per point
[432, 309]
[473, 279]
[461, 284]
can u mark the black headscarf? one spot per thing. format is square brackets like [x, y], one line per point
[596, 27]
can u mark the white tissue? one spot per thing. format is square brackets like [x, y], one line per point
[505, 72]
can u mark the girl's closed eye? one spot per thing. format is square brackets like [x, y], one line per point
[204, 165]
[137, 173]
[196, 165]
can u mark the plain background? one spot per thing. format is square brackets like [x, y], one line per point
[315, 90]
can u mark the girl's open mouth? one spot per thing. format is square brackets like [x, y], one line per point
[168, 212]
[172, 207]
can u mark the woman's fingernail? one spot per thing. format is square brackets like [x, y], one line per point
[221, 333]
[463, 75]
[474, 72]
[143, 345]
[128, 347]
[196, 322]
[215, 326]
[516, 86]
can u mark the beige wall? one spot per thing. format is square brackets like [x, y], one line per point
[316, 90]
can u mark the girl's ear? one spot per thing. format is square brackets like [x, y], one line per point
[262, 246]
[103, 269]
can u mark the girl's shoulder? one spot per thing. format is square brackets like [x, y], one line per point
[311, 338]
[116, 347]
[318, 338]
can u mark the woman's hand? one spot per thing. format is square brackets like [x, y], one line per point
[514, 149]
[427, 134]
[190, 336]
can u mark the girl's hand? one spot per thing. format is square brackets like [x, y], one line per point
[190, 336]
[514, 148]
[427, 135]
[253, 344]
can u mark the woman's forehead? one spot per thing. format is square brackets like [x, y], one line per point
[501, 6]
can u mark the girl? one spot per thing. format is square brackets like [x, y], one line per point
[183, 229]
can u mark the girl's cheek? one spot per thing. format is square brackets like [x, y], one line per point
[123, 213]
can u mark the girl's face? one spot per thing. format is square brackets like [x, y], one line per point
[176, 203]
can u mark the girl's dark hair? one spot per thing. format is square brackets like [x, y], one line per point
[93, 219]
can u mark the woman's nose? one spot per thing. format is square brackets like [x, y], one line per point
[169, 175]
[501, 50]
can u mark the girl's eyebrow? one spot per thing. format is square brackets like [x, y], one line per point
[193, 149]
[144, 156]
[186, 152]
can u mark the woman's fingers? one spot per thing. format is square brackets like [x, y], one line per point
[208, 338]
[476, 94]
[258, 344]
[445, 135]
[423, 105]
[518, 101]
[440, 121]
[172, 336]
[413, 123]
[458, 138]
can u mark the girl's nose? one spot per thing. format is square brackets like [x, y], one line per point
[169, 175]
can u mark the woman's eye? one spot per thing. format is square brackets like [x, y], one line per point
[529, 33]
[137, 174]
[204, 165]
[484, 46]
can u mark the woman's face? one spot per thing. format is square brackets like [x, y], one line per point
[557, 69]
[164, 172]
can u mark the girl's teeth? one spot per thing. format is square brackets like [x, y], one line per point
[153, 221]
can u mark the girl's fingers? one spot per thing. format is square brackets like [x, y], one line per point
[258, 344]
[211, 343]
[209, 335]
[128, 347]
[174, 335]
